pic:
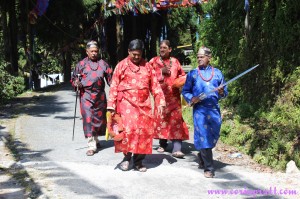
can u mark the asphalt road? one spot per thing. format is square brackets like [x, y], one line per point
[60, 168]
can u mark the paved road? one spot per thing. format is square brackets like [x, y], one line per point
[60, 168]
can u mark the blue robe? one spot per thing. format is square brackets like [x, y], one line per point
[206, 113]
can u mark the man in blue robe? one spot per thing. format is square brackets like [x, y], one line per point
[206, 112]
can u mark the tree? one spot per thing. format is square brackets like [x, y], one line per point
[10, 28]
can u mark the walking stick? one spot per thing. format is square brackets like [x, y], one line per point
[77, 91]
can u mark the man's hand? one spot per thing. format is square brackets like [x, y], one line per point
[194, 100]
[221, 91]
[160, 110]
[77, 83]
[166, 71]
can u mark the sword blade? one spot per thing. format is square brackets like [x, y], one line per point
[240, 75]
[202, 96]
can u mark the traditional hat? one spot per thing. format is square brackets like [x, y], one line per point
[92, 44]
[204, 51]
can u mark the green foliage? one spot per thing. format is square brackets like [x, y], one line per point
[284, 120]
[22, 59]
[273, 137]
[187, 114]
[269, 41]
[182, 24]
[234, 133]
[10, 86]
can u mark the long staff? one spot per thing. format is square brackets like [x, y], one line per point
[77, 93]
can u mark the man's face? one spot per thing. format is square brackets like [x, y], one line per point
[92, 53]
[135, 56]
[203, 60]
[164, 50]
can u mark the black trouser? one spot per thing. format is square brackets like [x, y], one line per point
[137, 158]
[163, 143]
[206, 156]
[176, 144]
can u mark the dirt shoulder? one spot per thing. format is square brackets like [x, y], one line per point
[15, 182]
[277, 179]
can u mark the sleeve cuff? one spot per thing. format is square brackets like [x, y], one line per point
[110, 108]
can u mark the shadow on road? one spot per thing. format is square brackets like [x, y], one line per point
[36, 103]
[45, 168]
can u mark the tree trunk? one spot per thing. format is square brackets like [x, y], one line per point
[153, 40]
[164, 25]
[193, 32]
[30, 52]
[67, 66]
[3, 7]
[147, 36]
[111, 40]
[120, 51]
[24, 27]
[13, 33]
[134, 27]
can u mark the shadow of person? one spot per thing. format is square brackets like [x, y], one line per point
[220, 165]
[154, 160]
[151, 161]
[188, 148]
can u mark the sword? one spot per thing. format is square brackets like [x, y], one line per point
[202, 96]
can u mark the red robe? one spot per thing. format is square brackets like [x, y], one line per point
[92, 95]
[171, 126]
[129, 95]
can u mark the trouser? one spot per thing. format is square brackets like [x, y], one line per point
[92, 142]
[163, 143]
[137, 158]
[206, 156]
[176, 144]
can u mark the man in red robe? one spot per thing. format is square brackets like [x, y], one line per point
[170, 126]
[88, 76]
[129, 97]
